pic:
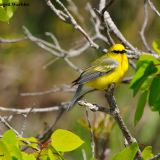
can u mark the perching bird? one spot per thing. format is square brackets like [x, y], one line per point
[109, 68]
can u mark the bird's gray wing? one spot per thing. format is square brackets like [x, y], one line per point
[98, 69]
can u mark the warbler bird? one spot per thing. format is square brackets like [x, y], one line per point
[107, 69]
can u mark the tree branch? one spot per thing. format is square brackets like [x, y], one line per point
[144, 27]
[68, 18]
[113, 110]
[2, 40]
[153, 7]
[34, 110]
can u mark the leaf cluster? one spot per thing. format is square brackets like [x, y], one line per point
[15, 148]
[146, 82]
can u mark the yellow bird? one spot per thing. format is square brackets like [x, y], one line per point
[109, 68]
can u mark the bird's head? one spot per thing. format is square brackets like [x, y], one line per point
[117, 49]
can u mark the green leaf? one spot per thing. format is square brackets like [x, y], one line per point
[156, 46]
[33, 142]
[10, 138]
[51, 155]
[43, 154]
[6, 12]
[147, 153]
[65, 141]
[140, 107]
[4, 151]
[144, 70]
[146, 57]
[128, 153]
[10, 142]
[154, 95]
[3, 15]
[26, 156]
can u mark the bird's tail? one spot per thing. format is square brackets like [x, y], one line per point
[76, 97]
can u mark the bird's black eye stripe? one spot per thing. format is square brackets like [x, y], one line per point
[119, 52]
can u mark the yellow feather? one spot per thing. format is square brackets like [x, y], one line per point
[117, 75]
[109, 68]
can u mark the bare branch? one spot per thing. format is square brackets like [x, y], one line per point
[47, 133]
[54, 39]
[68, 18]
[74, 9]
[115, 113]
[153, 7]
[2, 40]
[56, 51]
[109, 22]
[102, 4]
[91, 134]
[113, 110]
[34, 110]
[25, 122]
[51, 62]
[58, 13]
[78, 51]
[84, 154]
[144, 27]
[72, 65]
[132, 64]
[9, 126]
[64, 88]
[94, 107]
[96, 24]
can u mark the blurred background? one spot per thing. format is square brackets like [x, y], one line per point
[22, 70]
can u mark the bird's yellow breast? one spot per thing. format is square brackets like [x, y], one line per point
[116, 76]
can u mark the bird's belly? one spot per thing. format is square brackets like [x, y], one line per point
[103, 82]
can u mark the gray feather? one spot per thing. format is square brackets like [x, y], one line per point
[107, 65]
[90, 76]
[75, 97]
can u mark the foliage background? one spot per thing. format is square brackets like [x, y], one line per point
[21, 69]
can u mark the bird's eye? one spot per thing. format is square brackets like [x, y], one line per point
[119, 51]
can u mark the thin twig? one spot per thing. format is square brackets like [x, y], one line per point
[109, 22]
[94, 107]
[74, 9]
[84, 154]
[72, 65]
[51, 48]
[97, 24]
[25, 122]
[9, 126]
[2, 40]
[51, 62]
[113, 110]
[153, 7]
[91, 134]
[144, 27]
[68, 18]
[34, 110]
[47, 133]
[63, 88]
